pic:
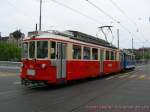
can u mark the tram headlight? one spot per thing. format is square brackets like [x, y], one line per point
[43, 66]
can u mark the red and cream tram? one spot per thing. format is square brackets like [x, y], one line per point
[54, 57]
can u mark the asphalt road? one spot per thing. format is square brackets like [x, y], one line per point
[124, 92]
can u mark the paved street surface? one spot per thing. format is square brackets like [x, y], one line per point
[124, 92]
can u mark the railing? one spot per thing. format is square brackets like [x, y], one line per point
[10, 63]
[9, 66]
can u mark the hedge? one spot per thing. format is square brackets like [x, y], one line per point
[9, 52]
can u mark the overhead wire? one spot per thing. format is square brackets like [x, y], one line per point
[110, 17]
[76, 11]
[124, 13]
[82, 14]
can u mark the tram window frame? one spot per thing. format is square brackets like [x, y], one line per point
[53, 54]
[25, 50]
[102, 54]
[42, 49]
[112, 55]
[33, 53]
[88, 56]
[94, 56]
[115, 55]
[107, 55]
[76, 53]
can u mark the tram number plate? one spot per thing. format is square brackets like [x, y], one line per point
[31, 72]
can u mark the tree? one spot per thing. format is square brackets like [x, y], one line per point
[9, 51]
[17, 34]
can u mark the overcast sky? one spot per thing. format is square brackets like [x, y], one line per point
[24, 14]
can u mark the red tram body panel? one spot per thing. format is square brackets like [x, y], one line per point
[111, 67]
[45, 73]
[82, 69]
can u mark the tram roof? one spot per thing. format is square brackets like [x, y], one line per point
[89, 39]
[76, 35]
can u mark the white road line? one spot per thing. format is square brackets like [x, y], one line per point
[122, 76]
[110, 78]
[16, 83]
[7, 74]
[141, 77]
[132, 76]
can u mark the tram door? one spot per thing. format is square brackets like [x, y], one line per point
[102, 60]
[61, 58]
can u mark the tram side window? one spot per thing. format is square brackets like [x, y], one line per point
[95, 54]
[42, 49]
[112, 55]
[107, 55]
[101, 54]
[86, 53]
[32, 49]
[115, 55]
[76, 52]
[25, 50]
[53, 50]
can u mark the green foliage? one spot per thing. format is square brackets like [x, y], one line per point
[140, 55]
[17, 34]
[9, 51]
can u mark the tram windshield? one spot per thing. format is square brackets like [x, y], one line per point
[25, 50]
[42, 49]
[32, 49]
[39, 47]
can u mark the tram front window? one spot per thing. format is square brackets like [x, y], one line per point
[42, 49]
[25, 50]
[32, 49]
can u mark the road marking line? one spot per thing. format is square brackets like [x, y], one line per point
[110, 78]
[123, 76]
[7, 74]
[16, 83]
[132, 76]
[141, 77]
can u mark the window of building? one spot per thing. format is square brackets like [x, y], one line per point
[86, 53]
[95, 54]
[107, 55]
[53, 50]
[76, 52]
[42, 49]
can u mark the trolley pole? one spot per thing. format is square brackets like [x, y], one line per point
[40, 19]
[118, 37]
[36, 27]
